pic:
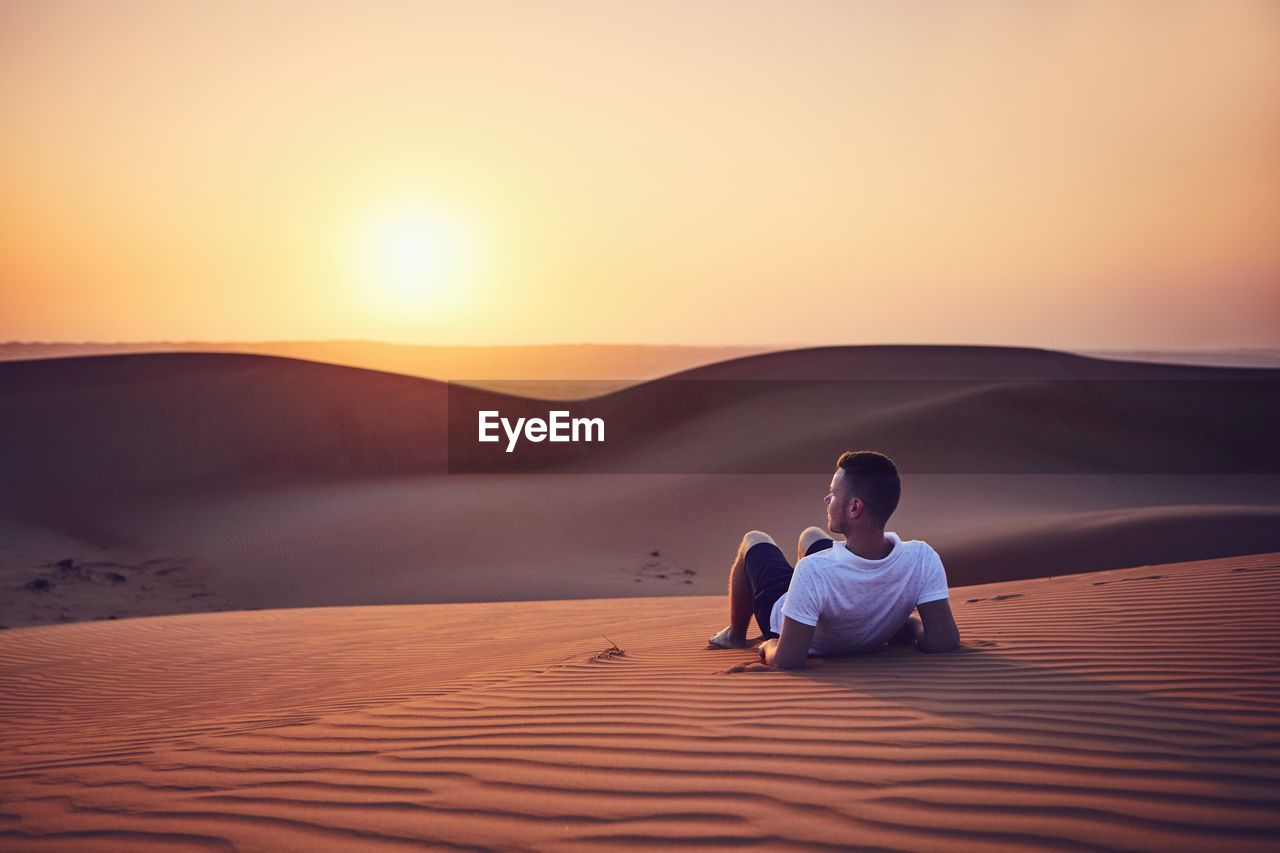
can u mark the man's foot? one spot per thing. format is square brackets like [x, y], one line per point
[726, 640]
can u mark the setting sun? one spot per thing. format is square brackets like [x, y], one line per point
[414, 257]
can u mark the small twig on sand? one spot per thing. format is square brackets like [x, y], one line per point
[612, 652]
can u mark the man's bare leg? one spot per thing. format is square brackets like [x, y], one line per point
[734, 636]
[807, 537]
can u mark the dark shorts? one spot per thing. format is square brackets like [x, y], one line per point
[769, 574]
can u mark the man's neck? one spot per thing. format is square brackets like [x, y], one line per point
[869, 546]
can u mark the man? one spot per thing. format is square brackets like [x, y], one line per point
[846, 597]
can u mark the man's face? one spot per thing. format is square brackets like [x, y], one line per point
[838, 503]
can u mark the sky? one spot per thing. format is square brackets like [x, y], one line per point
[1070, 175]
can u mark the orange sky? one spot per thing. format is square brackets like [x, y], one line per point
[1052, 174]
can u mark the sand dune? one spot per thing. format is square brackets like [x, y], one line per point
[952, 361]
[1251, 357]
[1134, 709]
[122, 425]
[147, 484]
[136, 424]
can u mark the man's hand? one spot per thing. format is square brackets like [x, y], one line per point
[754, 666]
[791, 650]
[758, 666]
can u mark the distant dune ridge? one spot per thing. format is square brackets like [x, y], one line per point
[520, 362]
[258, 481]
[1131, 709]
[540, 361]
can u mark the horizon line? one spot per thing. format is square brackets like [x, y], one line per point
[762, 347]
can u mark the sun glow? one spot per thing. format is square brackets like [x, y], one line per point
[415, 258]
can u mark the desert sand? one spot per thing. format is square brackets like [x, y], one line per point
[1131, 709]
[291, 628]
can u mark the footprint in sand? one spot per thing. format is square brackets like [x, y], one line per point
[654, 569]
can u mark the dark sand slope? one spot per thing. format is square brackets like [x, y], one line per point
[1135, 709]
[1124, 537]
[129, 425]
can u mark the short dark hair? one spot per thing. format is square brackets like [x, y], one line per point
[873, 477]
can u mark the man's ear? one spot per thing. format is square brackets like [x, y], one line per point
[857, 507]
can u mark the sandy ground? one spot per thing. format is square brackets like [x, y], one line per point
[1131, 709]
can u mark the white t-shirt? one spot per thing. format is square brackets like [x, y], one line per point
[858, 604]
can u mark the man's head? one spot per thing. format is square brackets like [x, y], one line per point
[864, 492]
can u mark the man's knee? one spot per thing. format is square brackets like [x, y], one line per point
[755, 537]
[807, 537]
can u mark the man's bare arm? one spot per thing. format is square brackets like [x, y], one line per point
[937, 631]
